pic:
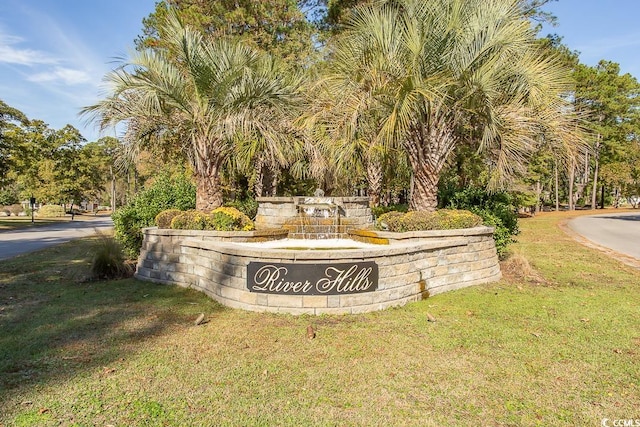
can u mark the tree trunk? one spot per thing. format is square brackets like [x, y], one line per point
[113, 190]
[374, 182]
[208, 159]
[596, 158]
[538, 194]
[425, 190]
[557, 191]
[275, 178]
[258, 185]
[208, 192]
[428, 148]
[572, 176]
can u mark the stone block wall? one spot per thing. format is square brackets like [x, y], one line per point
[408, 271]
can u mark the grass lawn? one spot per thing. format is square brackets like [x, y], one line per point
[560, 346]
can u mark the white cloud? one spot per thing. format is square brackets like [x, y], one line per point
[65, 75]
[12, 55]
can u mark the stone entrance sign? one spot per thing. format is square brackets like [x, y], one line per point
[402, 267]
[312, 279]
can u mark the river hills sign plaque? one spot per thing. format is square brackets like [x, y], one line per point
[312, 279]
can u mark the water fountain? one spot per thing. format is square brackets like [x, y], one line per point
[318, 218]
[318, 255]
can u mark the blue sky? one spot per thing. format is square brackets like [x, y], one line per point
[600, 29]
[54, 53]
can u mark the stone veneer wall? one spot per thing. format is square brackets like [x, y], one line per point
[408, 271]
[276, 212]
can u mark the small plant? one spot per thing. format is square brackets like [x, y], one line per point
[443, 219]
[51, 211]
[192, 220]
[164, 218]
[239, 221]
[108, 260]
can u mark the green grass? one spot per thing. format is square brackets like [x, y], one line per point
[518, 353]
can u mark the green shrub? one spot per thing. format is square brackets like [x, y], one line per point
[378, 211]
[501, 234]
[163, 219]
[248, 206]
[496, 210]
[443, 219]
[128, 226]
[50, 211]
[164, 193]
[220, 219]
[109, 260]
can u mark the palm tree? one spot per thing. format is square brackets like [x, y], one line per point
[203, 95]
[430, 69]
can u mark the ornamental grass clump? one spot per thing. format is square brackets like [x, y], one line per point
[443, 219]
[109, 261]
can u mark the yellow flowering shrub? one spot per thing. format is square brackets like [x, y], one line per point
[220, 219]
[164, 218]
[443, 219]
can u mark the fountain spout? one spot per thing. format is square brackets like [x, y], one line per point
[319, 217]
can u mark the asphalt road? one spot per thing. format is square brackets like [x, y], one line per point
[18, 242]
[619, 232]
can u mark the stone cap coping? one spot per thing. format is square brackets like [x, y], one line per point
[293, 199]
[235, 249]
[263, 232]
[425, 234]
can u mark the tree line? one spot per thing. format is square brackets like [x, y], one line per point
[56, 166]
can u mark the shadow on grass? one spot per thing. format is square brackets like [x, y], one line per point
[56, 326]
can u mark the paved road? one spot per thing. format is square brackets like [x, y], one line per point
[619, 232]
[18, 242]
